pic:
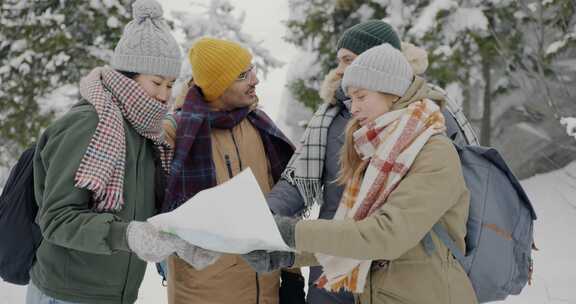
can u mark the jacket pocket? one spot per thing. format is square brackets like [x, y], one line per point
[414, 255]
[459, 286]
[416, 281]
[384, 296]
[107, 272]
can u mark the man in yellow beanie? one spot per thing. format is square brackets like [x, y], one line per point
[220, 132]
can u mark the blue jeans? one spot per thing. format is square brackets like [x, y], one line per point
[35, 296]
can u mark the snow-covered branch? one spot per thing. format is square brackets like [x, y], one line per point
[218, 19]
[570, 123]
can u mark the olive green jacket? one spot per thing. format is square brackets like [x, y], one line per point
[84, 256]
[432, 191]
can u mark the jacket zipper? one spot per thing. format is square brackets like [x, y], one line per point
[229, 166]
[142, 145]
[237, 150]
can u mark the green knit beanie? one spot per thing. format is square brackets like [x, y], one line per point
[366, 35]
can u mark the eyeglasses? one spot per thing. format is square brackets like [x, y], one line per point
[244, 75]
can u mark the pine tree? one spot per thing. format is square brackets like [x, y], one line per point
[460, 36]
[45, 45]
[497, 55]
[316, 26]
[220, 19]
[553, 27]
[465, 37]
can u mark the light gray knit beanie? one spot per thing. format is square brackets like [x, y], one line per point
[147, 46]
[382, 69]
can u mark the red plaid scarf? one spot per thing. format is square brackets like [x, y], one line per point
[389, 146]
[115, 98]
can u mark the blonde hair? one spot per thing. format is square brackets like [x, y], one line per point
[351, 165]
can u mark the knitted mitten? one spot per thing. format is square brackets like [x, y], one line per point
[263, 261]
[197, 257]
[287, 227]
[149, 243]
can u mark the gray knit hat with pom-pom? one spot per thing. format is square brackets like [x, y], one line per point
[147, 46]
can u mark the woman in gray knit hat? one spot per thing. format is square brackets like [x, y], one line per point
[401, 175]
[99, 171]
[309, 177]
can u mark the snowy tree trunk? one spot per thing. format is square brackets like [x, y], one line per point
[487, 112]
[466, 101]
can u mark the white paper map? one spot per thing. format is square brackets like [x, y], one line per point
[232, 217]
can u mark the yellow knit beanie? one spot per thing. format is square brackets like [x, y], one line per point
[216, 64]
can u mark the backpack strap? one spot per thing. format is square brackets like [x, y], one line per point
[449, 242]
[428, 244]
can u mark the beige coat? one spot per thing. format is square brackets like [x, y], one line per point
[230, 279]
[433, 190]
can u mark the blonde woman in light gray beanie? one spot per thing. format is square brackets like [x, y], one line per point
[402, 175]
[100, 171]
[378, 81]
[383, 75]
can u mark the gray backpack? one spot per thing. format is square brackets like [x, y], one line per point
[500, 226]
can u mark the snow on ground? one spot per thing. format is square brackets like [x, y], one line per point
[554, 197]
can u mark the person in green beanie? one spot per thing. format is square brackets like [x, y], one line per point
[310, 175]
[361, 37]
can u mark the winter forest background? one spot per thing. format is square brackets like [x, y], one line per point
[511, 64]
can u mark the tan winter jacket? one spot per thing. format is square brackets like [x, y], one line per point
[433, 190]
[230, 279]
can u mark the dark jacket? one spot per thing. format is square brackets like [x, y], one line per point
[285, 199]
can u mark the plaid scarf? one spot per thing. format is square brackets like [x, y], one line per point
[388, 147]
[307, 164]
[193, 168]
[115, 98]
[470, 137]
